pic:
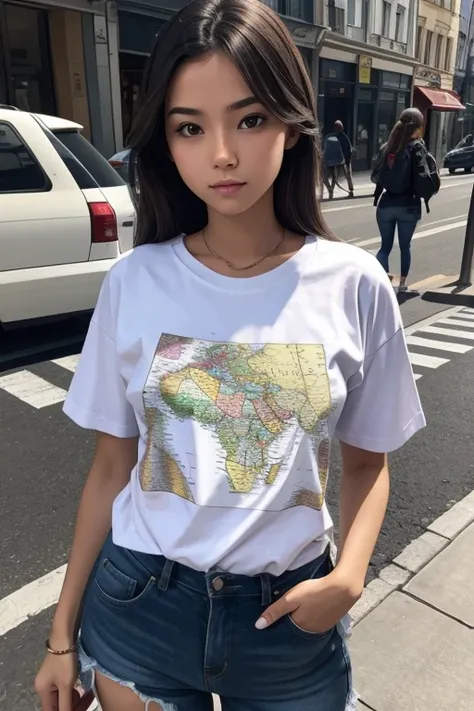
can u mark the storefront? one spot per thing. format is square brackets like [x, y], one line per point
[367, 99]
[26, 73]
[137, 33]
[440, 108]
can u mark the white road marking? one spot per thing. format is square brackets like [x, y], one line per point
[455, 322]
[68, 362]
[32, 389]
[30, 600]
[450, 332]
[438, 345]
[427, 361]
[417, 376]
[465, 316]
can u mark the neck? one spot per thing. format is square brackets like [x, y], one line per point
[246, 236]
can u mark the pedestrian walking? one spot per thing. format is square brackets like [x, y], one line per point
[337, 156]
[226, 351]
[405, 174]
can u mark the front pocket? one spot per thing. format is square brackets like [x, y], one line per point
[117, 588]
[300, 632]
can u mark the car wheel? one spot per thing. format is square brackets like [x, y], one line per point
[468, 170]
[452, 171]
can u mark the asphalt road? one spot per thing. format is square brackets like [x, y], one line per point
[44, 457]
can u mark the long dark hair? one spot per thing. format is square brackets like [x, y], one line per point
[262, 49]
[401, 135]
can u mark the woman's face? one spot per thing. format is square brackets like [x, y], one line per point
[227, 147]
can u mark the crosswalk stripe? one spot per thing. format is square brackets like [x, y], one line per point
[32, 389]
[427, 361]
[451, 332]
[455, 322]
[465, 316]
[68, 362]
[438, 345]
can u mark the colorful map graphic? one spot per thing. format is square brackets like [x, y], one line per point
[257, 400]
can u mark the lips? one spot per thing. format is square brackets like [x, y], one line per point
[228, 187]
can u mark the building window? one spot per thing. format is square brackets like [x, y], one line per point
[419, 40]
[387, 11]
[336, 19]
[29, 57]
[400, 24]
[449, 51]
[351, 12]
[439, 47]
[429, 38]
[299, 9]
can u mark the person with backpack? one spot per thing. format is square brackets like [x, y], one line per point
[333, 160]
[405, 173]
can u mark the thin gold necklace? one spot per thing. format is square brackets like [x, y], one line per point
[233, 266]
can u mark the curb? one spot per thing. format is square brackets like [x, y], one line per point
[415, 556]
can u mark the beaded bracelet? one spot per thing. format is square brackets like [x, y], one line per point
[71, 650]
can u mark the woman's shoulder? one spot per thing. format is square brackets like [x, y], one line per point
[132, 261]
[353, 265]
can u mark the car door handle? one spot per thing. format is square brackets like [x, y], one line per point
[127, 223]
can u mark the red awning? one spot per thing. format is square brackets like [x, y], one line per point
[441, 99]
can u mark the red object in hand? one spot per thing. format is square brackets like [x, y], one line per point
[82, 703]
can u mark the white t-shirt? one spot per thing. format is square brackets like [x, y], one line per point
[235, 387]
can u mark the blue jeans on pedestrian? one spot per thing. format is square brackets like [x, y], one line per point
[405, 220]
[175, 636]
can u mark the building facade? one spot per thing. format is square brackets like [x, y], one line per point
[437, 38]
[463, 74]
[140, 20]
[59, 57]
[366, 69]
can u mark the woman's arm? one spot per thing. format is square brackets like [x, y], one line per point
[110, 472]
[363, 502]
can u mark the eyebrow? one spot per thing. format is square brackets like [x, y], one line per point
[241, 104]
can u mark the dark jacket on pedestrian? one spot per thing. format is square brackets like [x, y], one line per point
[332, 152]
[413, 169]
[346, 146]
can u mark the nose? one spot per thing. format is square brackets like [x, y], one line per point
[225, 155]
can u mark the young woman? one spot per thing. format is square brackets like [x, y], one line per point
[226, 351]
[400, 207]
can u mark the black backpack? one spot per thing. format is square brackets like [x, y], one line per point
[397, 175]
[427, 183]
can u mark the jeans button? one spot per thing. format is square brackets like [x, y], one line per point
[217, 584]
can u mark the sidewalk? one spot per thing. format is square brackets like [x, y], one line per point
[364, 188]
[414, 651]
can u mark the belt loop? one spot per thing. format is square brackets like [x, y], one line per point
[266, 589]
[166, 575]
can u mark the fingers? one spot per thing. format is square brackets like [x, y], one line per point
[281, 607]
[48, 698]
[65, 698]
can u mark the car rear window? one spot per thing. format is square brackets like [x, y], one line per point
[91, 159]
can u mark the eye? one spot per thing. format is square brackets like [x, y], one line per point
[189, 129]
[252, 121]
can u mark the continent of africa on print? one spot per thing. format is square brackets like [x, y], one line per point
[259, 410]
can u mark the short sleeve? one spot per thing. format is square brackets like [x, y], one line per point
[382, 410]
[97, 396]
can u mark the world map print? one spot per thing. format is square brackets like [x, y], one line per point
[237, 424]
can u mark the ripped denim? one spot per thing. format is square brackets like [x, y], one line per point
[175, 636]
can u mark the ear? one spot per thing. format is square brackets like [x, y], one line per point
[291, 138]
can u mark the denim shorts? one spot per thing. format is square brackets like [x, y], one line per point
[176, 636]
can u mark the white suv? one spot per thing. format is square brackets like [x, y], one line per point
[65, 218]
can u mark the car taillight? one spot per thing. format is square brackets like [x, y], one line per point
[103, 222]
